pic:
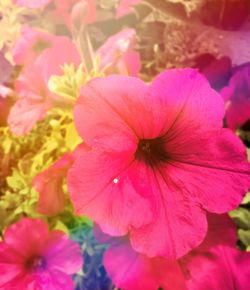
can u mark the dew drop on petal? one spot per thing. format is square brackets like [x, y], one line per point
[115, 180]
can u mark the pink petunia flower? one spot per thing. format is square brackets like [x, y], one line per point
[160, 160]
[35, 99]
[237, 98]
[49, 183]
[125, 7]
[31, 44]
[32, 3]
[216, 264]
[34, 258]
[119, 55]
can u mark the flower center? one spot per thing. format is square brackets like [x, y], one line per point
[40, 45]
[151, 151]
[36, 263]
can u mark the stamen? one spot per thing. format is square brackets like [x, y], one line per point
[151, 151]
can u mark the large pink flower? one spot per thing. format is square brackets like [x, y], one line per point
[237, 98]
[32, 258]
[160, 160]
[35, 99]
[119, 55]
[216, 264]
[49, 183]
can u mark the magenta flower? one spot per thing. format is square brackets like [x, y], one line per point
[216, 264]
[32, 258]
[119, 55]
[49, 183]
[32, 3]
[237, 98]
[125, 7]
[160, 160]
[35, 99]
[130, 270]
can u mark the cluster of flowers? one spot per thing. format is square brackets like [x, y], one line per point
[154, 168]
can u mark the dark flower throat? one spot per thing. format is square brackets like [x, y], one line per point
[151, 151]
[36, 263]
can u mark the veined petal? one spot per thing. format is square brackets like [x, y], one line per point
[99, 188]
[213, 167]
[188, 102]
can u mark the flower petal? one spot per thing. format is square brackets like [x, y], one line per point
[213, 167]
[35, 230]
[49, 185]
[99, 188]
[53, 280]
[113, 112]
[188, 101]
[32, 3]
[221, 268]
[179, 223]
[25, 114]
[62, 253]
[133, 271]
[10, 264]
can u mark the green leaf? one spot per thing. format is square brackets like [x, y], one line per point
[61, 227]
[244, 236]
[72, 138]
[241, 217]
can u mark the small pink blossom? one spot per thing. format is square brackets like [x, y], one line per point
[237, 98]
[34, 97]
[49, 183]
[125, 7]
[34, 258]
[119, 55]
[160, 160]
[32, 3]
[31, 44]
